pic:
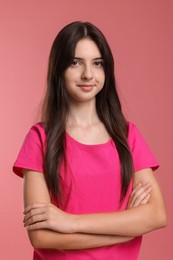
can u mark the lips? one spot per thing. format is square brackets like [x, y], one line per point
[86, 87]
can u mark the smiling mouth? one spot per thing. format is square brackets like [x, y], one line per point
[86, 87]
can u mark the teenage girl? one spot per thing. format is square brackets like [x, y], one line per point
[89, 187]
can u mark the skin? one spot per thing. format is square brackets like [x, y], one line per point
[50, 227]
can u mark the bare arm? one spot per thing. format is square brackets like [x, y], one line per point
[45, 238]
[35, 191]
[131, 222]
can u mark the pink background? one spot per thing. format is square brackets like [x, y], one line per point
[140, 34]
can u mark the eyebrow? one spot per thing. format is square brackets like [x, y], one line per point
[98, 58]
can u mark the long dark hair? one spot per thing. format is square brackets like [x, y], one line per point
[55, 107]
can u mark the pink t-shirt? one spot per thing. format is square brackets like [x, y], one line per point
[92, 184]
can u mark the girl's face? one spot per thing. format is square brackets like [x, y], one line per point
[85, 77]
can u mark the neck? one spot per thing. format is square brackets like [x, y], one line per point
[82, 114]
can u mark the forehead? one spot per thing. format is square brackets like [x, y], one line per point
[87, 48]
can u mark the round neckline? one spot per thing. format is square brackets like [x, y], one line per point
[87, 146]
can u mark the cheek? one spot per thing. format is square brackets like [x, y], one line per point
[71, 77]
[68, 84]
[68, 79]
[101, 77]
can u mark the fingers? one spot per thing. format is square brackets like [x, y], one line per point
[38, 225]
[34, 220]
[35, 215]
[136, 188]
[142, 198]
[41, 215]
[48, 216]
[35, 206]
[146, 199]
[140, 195]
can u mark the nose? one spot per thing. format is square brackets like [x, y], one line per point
[87, 73]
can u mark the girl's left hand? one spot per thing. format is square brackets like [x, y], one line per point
[140, 195]
[48, 216]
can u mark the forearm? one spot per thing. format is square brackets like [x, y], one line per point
[132, 222]
[53, 240]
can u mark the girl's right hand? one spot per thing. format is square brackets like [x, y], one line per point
[140, 195]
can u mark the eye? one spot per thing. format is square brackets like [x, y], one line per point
[98, 63]
[75, 63]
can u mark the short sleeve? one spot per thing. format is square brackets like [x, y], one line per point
[141, 153]
[32, 151]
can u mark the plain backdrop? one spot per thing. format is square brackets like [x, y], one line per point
[140, 34]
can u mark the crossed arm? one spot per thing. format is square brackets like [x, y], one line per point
[50, 227]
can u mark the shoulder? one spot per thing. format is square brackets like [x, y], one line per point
[32, 150]
[134, 135]
[132, 131]
[36, 136]
[142, 154]
[38, 127]
[37, 131]
[135, 139]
